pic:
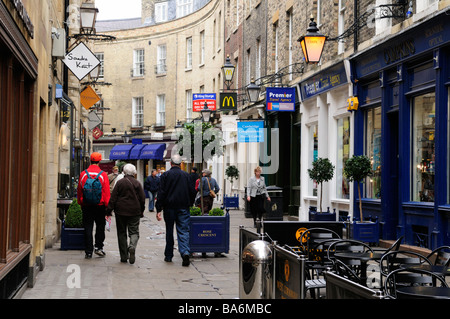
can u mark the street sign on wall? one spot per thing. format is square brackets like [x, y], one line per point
[199, 99]
[81, 61]
[280, 99]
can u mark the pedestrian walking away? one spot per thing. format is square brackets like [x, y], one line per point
[128, 203]
[210, 188]
[93, 194]
[113, 178]
[194, 178]
[256, 193]
[151, 185]
[174, 198]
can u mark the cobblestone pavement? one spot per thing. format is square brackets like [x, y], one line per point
[150, 277]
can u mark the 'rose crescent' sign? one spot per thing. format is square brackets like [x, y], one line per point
[81, 61]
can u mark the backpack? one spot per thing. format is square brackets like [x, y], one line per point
[92, 189]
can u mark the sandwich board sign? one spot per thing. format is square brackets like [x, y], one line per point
[81, 61]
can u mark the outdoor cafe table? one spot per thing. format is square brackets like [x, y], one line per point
[423, 292]
[364, 258]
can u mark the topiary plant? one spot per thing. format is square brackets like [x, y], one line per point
[322, 171]
[74, 216]
[216, 212]
[357, 168]
[232, 173]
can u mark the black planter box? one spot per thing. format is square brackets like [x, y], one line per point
[72, 238]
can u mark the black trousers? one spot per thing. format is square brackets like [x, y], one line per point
[257, 206]
[91, 215]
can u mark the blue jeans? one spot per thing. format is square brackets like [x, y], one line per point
[151, 200]
[180, 218]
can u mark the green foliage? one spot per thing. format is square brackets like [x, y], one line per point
[232, 173]
[200, 134]
[195, 211]
[216, 212]
[322, 171]
[357, 168]
[74, 216]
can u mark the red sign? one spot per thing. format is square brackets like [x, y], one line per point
[199, 99]
[97, 133]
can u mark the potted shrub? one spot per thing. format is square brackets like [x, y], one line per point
[232, 173]
[72, 232]
[210, 233]
[322, 171]
[357, 169]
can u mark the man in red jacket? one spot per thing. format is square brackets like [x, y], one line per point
[94, 213]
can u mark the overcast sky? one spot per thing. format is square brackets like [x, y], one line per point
[118, 9]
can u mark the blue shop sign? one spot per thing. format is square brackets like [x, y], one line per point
[250, 131]
[324, 81]
[280, 99]
[424, 37]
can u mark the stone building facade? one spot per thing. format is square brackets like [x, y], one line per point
[30, 131]
[177, 59]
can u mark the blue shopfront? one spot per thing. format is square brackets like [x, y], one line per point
[402, 124]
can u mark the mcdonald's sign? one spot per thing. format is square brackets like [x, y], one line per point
[228, 101]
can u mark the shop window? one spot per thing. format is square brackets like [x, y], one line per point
[343, 153]
[313, 154]
[423, 148]
[372, 185]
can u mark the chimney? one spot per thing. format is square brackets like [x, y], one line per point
[148, 9]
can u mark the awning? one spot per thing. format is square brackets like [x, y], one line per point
[121, 152]
[135, 152]
[153, 151]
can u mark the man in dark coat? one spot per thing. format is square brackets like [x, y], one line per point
[174, 198]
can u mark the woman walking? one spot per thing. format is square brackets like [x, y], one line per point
[128, 203]
[256, 192]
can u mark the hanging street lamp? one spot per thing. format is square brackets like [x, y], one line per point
[206, 113]
[312, 43]
[88, 17]
[253, 91]
[228, 71]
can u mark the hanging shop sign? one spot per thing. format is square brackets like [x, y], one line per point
[97, 133]
[228, 101]
[250, 131]
[199, 99]
[280, 99]
[88, 98]
[81, 61]
[94, 120]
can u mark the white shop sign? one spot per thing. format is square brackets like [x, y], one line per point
[81, 61]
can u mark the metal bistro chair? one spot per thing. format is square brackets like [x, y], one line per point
[401, 259]
[348, 246]
[442, 256]
[313, 241]
[422, 278]
[395, 246]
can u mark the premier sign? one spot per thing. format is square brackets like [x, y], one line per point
[280, 99]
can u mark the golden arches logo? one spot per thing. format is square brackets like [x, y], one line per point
[229, 100]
